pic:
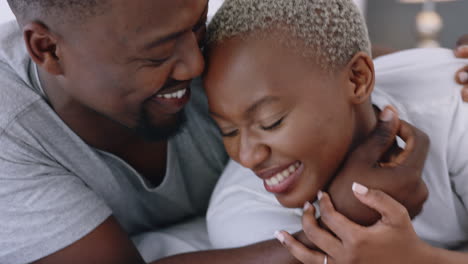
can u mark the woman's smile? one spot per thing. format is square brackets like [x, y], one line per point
[284, 178]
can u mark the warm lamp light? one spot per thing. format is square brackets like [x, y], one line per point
[429, 23]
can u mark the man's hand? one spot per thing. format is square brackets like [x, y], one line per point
[461, 51]
[399, 175]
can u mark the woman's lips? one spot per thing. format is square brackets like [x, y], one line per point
[283, 180]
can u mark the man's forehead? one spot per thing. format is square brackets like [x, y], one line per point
[149, 20]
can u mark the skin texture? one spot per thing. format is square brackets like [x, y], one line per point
[99, 80]
[304, 114]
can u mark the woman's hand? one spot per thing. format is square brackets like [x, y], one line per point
[391, 240]
[461, 51]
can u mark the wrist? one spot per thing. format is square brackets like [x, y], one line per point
[426, 254]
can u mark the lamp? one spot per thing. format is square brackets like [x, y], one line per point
[429, 23]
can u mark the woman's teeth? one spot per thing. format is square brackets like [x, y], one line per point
[281, 176]
[177, 95]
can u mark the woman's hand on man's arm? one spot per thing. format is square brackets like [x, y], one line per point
[400, 176]
[391, 240]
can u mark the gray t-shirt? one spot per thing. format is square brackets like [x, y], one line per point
[55, 189]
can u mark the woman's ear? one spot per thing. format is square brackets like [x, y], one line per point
[361, 77]
[42, 47]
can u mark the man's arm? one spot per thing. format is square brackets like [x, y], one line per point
[109, 244]
[400, 177]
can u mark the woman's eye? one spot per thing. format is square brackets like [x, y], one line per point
[274, 125]
[229, 134]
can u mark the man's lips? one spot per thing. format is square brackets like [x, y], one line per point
[168, 90]
[172, 100]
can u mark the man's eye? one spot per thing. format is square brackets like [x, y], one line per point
[229, 134]
[157, 62]
[274, 125]
[199, 26]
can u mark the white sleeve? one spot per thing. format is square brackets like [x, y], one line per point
[182, 238]
[242, 212]
[458, 153]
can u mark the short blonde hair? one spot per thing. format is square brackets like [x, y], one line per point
[330, 31]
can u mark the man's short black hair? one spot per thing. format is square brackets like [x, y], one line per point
[59, 8]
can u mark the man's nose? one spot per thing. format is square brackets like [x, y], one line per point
[252, 153]
[190, 62]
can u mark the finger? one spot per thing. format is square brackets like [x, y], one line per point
[393, 213]
[298, 250]
[465, 94]
[338, 223]
[319, 236]
[416, 149]
[462, 76]
[380, 140]
[461, 50]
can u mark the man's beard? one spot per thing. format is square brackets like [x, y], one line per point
[152, 132]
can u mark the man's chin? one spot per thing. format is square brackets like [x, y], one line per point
[163, 130]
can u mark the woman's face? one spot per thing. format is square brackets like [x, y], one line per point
[280, 115]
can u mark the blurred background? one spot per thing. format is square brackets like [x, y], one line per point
[392, 23]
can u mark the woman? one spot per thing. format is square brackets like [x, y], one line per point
[291, 93]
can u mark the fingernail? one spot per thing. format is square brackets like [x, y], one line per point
[463, 76]
[387, 115]
[280, 236]
[462, 48]
[319, 195]
[360, 189]
[307, 206]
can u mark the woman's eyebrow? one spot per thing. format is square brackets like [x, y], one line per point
[251, 110]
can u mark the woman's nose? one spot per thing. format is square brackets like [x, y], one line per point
[252, 153]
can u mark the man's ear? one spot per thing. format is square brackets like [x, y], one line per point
[42, 47]
[361, 77]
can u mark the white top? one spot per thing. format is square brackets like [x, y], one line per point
[420, 84]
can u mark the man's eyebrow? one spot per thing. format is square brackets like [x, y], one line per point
[172, 36]
[254, 107]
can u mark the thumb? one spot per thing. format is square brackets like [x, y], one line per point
[461, 50]
[381, 139]
[392, 212]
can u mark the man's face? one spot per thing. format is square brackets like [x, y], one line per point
[133, 64]
[280, 115]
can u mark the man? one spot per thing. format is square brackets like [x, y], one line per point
[93, 147]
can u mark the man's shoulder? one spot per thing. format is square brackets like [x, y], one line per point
[16, 92]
